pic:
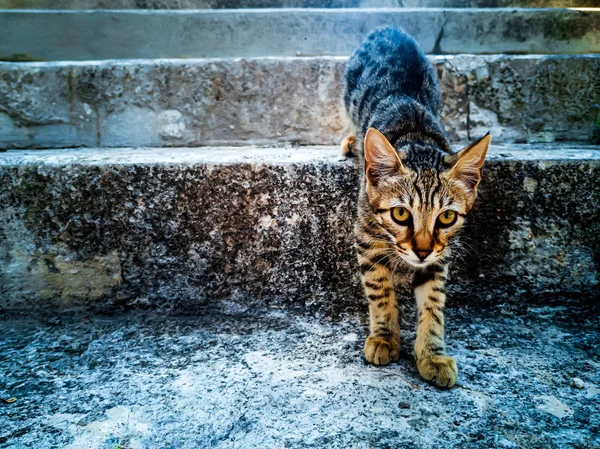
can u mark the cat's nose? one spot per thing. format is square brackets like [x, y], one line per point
[422, 253]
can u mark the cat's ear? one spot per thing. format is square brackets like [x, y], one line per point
[467, 163]
[381, 158]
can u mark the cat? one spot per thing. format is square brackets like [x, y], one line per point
[414, 193]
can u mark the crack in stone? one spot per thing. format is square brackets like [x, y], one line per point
[467, 94]
[437, 48]
[468, 106]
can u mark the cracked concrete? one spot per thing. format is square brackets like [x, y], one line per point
[234, 377]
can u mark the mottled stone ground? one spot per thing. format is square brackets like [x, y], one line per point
[271, 379]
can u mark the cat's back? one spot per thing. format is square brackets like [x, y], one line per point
[389, 63]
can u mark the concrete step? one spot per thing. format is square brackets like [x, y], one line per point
[257, 379]
[123, 34]
[293, 100]
[181, 227]
[236, 4]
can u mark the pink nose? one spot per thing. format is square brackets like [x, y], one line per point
[422, 253]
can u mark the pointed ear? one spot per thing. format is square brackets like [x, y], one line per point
[381, 158]
[467, 163]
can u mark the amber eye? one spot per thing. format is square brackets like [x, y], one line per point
[400, 215]
[446, 219]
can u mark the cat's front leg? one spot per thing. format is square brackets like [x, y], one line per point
[383, 344]
[430, 348]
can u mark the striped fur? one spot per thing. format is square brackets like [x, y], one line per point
[392, 97]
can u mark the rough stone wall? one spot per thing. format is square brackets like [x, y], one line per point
[273, 226]
[291, 100]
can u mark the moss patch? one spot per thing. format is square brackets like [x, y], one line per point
[20, 57]
[596, 131]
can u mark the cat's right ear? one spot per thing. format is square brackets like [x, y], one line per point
[381, 158]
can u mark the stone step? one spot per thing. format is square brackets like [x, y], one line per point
[236, 4]
[291, 100]
[123, 34]
[184, 226]
[257, 379]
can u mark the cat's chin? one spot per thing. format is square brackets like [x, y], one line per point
[419, 264]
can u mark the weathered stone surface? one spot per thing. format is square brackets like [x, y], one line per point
[265, 100]
[487, 3]
[538, 100]
[128, 34]
[177, 227]
[219, 4]
[261, 379]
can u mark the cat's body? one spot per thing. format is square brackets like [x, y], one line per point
[391, 86]
[414, 193]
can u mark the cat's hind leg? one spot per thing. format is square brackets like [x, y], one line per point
[348, 143]
[348, 146]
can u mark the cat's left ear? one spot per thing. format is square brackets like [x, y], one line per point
[467, 163]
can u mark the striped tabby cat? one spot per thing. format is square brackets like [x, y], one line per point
[414, 194]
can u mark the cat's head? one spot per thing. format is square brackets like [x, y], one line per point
[419, 194]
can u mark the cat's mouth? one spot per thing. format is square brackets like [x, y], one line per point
[409, 256]
[414, 260]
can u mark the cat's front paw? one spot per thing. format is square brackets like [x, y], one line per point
[440, 369]
[381, 350]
